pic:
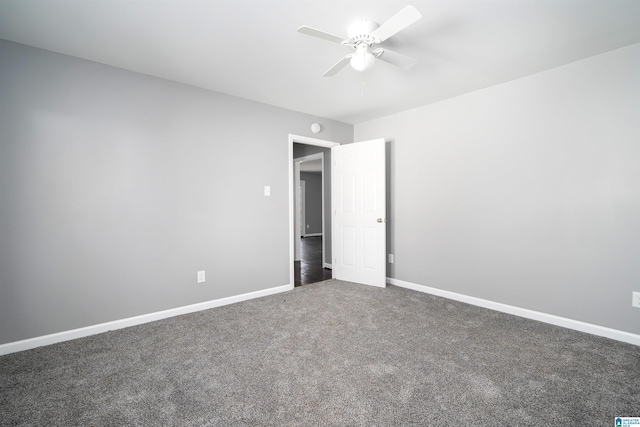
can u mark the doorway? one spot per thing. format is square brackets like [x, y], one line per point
[309, 264]
[310, 253]
[309, 168]
[358, 214]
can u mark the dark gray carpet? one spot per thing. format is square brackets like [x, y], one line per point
[332, 353]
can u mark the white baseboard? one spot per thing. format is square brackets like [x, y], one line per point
[327, 265]
[313, 235]
[30, 343]
[523, 312]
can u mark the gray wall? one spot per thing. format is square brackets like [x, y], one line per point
[313, 201]
[526, 193]
[115, 188]
[301, 150]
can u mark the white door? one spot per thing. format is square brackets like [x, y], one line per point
[359, 212]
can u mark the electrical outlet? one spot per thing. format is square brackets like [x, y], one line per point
[390, 258]
[636, 299]
[201, 276]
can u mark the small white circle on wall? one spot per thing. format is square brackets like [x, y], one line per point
[316, 128]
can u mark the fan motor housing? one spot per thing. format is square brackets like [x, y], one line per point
[361, 31]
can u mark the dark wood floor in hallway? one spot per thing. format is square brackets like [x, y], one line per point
[309, 269]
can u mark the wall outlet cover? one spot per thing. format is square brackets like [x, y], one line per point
[201, 277]
[636, 299]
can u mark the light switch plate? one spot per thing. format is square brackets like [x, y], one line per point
[201, 278]
[267, 190]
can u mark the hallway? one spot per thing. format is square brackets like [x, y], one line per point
[309, 269]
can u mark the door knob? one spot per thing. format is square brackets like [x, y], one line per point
[380, 219]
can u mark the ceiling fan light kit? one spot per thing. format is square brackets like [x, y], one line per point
[363, 59]
[364, 37]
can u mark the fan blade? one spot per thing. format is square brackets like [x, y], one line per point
[397, 59]
[338, 66]
[397, 23]
[320, 34]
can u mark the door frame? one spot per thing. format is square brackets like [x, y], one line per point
[292, 182]
[300, 221]
[303, 209]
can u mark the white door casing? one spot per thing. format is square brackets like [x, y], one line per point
[296, 212]
[303, 209]
[294, 171]
[299, 230]
[359, 212]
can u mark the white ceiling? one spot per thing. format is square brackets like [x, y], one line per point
[250, 48]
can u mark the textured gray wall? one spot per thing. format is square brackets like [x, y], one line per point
[115, 188]
[313, 201]
[526, 193]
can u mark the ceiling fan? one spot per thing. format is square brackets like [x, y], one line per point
[365, 36]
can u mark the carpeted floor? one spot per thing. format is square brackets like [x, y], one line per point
[331, 353]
